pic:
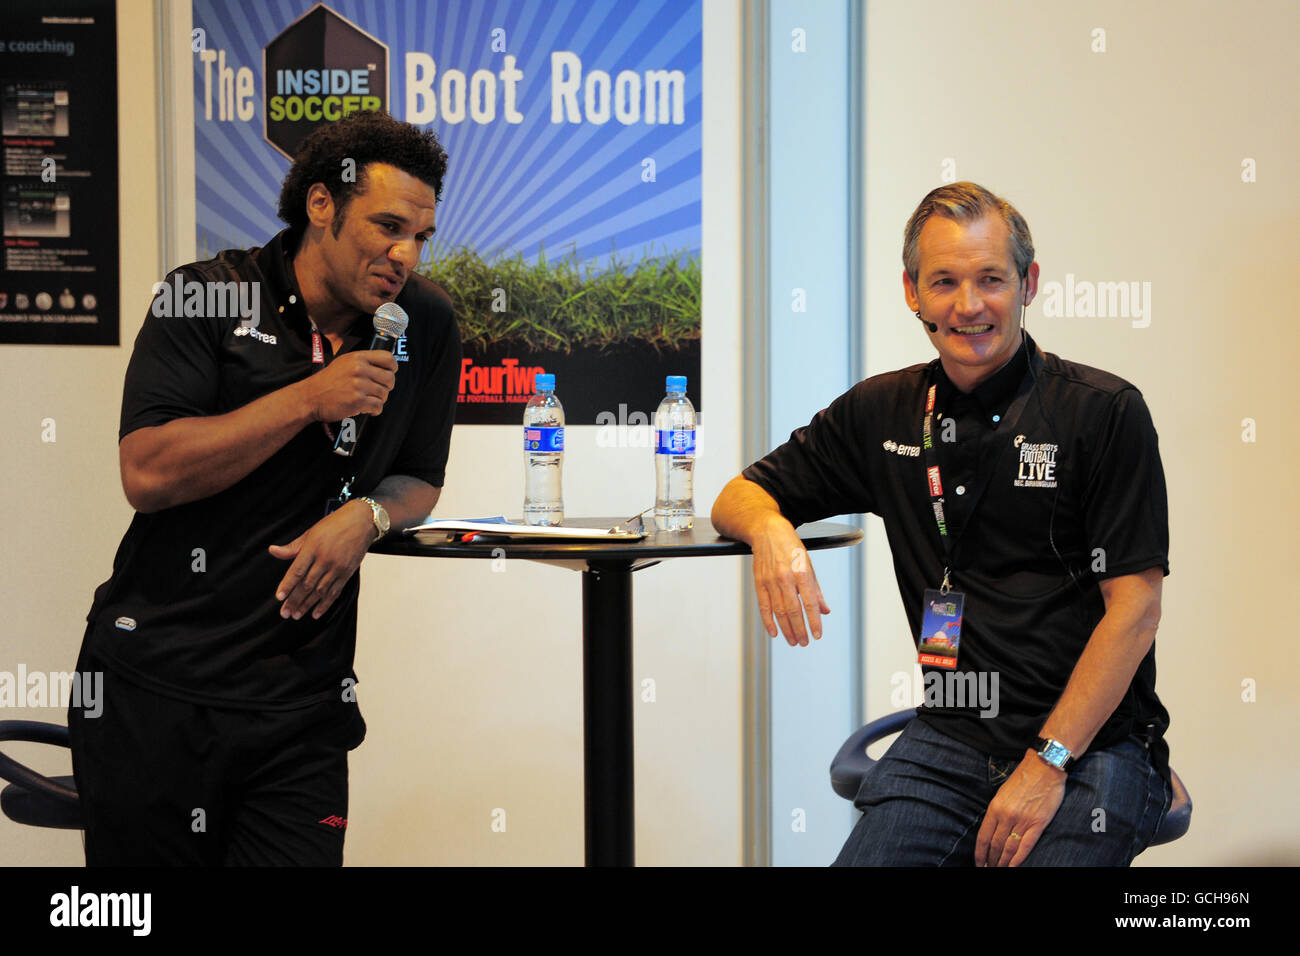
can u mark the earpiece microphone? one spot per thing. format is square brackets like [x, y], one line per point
[929, 325]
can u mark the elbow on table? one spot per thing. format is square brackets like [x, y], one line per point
[720, 514]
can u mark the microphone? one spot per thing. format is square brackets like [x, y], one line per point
[929, 325]
[390, 325]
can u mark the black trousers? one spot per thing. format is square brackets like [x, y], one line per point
[164, 782]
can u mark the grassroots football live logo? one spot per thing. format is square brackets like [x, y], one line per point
[1037, 464]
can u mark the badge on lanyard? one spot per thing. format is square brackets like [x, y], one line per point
[941, 610]
[940, 628]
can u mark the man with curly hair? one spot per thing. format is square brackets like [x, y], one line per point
[227, 630]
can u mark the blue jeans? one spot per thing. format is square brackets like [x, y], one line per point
[924, 800]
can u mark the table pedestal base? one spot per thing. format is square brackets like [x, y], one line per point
[607, 748]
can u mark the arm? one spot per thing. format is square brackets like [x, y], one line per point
[193, 457]
[327, 554]
[1029, 799]
[783, 575]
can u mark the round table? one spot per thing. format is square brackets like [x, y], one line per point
[608, 693]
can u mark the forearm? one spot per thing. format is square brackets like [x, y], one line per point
[191, 458]
[407, 500]
[742, 510]
[1106, 667]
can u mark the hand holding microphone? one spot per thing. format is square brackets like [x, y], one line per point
[390, 325]
[356, 384]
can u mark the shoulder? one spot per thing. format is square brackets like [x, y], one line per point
[227, 265]
[1084, 381]
[1105, 410]
[424, 295]
[876, 402]
[429, 307]
[889, 389]
[433, 333]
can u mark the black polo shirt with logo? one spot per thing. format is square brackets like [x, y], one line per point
[1077, 474]
[190, 609]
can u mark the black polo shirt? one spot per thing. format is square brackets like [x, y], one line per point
[1077, 473]
[190, 609]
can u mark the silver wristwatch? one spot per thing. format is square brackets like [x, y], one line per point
[1054, 753]
[379, 515]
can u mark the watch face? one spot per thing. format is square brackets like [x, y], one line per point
[1055, 754]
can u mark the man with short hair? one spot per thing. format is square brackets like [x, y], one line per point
[227, 630]
[1024, 502]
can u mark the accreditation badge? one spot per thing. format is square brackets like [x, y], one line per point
[940, 628]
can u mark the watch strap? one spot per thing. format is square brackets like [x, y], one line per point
[379, 515]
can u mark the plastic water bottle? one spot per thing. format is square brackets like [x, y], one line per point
[543, 454]
[675, 458]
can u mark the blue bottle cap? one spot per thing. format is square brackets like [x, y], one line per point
[544, 381]
[676, 383]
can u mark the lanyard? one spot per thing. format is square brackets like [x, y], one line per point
[933, 480]
[318, 361]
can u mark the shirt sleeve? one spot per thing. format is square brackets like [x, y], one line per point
[819, 471]
[423, 453]
[1126, 511]
[173, 372]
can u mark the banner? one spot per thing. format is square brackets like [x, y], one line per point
[569, 232]
[58, 117]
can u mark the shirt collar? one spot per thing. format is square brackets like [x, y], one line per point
[995, 393]
[275, 261]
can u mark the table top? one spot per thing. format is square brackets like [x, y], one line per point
[700, 541]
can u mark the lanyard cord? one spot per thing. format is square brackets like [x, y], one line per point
[934, 482]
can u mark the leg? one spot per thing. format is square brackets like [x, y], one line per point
[1114, 802]
[290, 806]
[143, 768]
[922, 803]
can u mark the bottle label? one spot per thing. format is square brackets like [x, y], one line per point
[544, 439]
[675, 441]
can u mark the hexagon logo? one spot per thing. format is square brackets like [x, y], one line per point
[319, 69]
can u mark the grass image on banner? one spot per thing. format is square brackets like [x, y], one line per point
[554, 305]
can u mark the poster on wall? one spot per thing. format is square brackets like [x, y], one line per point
[58, 136]
[569, 230]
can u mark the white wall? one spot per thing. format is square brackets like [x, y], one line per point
[1127, 165]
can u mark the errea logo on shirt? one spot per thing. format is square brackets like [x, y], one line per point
[907, 451]
[253, 333]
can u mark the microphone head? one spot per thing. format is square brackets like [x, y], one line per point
[391, 320]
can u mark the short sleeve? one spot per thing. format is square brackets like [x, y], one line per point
[819, 471]
[1126, 511]
[173, 372]
[424, 450]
